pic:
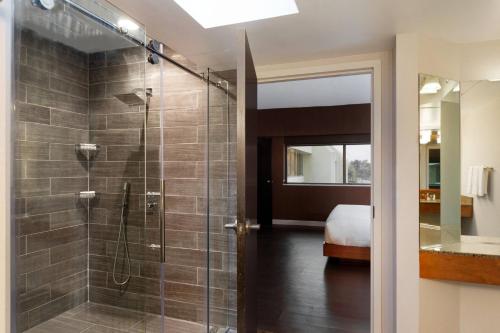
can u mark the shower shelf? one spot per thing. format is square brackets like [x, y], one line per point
[87, 147]
[86, 195]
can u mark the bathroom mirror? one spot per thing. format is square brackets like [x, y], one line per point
[459, 152]
[439, 147]
[480, 158]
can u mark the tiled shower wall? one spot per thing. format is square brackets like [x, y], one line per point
[66, 97]
[51, 115]
[130, 153]
[118, 128]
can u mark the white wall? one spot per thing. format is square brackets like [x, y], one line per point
[423, 305]
[407, 231]
[5, 160]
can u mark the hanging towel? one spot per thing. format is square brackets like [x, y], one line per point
[477, 181]
[482, 189]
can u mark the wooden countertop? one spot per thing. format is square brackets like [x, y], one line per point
[463, 267]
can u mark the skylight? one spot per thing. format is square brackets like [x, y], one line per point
[215, 13]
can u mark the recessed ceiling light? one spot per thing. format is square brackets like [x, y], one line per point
[215, 13]
[127, 25]
[430, 88]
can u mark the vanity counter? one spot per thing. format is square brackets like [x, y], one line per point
[474, 259]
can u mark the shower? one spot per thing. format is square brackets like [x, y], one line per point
[88, 162]
[131, 99]
[123, 230]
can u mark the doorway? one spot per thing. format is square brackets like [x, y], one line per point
[264, 182]
[321, 168]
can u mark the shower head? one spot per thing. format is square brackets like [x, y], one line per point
[126, 186]
[131, 99]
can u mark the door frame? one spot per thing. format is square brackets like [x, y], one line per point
[373, 67]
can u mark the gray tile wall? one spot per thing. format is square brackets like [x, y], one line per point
[118, 128]
[129, 149]
[222, 209]
[51, 222]
[66, 97]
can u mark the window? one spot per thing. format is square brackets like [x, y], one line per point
[358, 164]
[328, 164]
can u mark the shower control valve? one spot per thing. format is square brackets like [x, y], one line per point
[152, 199]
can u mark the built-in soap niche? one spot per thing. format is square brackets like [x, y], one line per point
[89, 151]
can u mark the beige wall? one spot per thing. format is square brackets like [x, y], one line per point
[423, 305]
[5, 152]
[406, 256]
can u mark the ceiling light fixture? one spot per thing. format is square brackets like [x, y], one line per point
[215, 13]
[430, 88]
[127, 25]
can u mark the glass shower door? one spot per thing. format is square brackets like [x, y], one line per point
[176, 175]
[222, 204]
[83, 245]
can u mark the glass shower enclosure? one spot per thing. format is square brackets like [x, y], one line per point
[124, 178]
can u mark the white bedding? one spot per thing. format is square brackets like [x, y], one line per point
[349, 225]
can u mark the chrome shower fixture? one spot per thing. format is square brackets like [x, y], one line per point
[123, 231]
[43, 4]
[133, 98]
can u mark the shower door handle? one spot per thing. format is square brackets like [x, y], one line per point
[233, 226]
[247, 227]
[162, 221]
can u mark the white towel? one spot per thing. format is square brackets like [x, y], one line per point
[483, 181]
[477, 181]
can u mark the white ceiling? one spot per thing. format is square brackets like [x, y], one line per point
[337, 90]
[323, 28]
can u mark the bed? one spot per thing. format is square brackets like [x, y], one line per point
[348, 233]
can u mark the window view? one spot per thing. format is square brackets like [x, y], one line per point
[358, 164]
[329, 164]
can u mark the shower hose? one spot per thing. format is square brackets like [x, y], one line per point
[125, 242]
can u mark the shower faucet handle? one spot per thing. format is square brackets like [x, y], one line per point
[152, 199]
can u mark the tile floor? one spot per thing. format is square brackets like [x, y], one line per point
[97, 318]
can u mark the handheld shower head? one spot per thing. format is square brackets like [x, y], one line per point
[126, 189]
[123, 231]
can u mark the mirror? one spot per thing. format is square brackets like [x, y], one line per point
[439, 139]
[480, 157]
[459, 152]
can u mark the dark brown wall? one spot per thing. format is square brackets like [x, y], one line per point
[348, 123]
[344, 119]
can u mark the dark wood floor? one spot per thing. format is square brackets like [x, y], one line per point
[302, 291]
